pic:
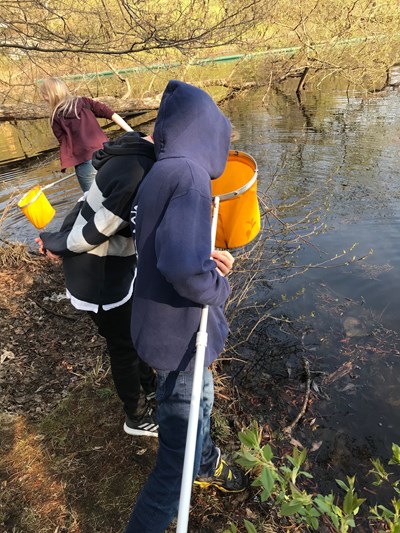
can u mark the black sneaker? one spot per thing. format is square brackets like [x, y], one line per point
[151, 396]
[227, 478]
[151, 400]
[144, 426]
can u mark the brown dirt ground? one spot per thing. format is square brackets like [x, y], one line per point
[66, 465]
[47, 346]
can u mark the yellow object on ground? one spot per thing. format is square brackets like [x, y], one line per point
[239, 212]
[36, 207]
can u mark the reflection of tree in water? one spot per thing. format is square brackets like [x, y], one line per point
[342, 148]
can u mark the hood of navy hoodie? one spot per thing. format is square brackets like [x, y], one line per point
[189, 124]
[171, 223]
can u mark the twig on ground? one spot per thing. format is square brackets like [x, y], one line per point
[288, 429]
[61, 315]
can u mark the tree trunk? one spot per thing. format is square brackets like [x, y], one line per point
[25, 111]
[123, 106]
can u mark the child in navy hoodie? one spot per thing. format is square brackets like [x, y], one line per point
[171, 224]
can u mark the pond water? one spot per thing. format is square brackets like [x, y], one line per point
[330, 146]
[341, 149]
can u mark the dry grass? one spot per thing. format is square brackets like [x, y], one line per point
[75, 471]
[12, 254]
[30, 489]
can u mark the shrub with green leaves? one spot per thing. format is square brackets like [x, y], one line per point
[280, 481]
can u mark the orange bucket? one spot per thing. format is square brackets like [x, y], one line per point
[36, 207]
[239, 212]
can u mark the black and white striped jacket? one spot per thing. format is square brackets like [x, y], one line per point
[95, 240]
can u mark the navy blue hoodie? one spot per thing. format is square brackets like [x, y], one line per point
[171, 222]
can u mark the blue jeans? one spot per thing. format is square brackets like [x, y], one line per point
[158, 501]
[85, 172]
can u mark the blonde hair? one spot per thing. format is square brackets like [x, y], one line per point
[57, 95]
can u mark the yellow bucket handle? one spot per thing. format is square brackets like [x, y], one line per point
[41, 189]
[33, 199]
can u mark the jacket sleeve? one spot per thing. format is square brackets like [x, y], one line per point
[85, 228]
[56, 241]
[70, 219]
[183, 247]
[98, 108]
[85, 235]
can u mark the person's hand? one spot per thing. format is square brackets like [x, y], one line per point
[42, 249]
[224, 261]
[47, 253]
[53, 257]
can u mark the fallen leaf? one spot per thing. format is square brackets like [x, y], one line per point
[295, 442]
[316, 446]
[6, 354]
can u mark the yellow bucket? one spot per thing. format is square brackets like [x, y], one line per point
[239, 212]
[36, 207]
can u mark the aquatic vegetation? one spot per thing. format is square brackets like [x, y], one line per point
[284, 481]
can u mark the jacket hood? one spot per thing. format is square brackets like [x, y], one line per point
[190, 125]
[128, 144]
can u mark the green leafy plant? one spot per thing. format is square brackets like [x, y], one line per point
[380, 513]
[341, 517]
[395, 460]
[280, 479]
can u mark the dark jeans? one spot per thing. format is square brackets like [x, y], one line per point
[158, 501]
[129, 372]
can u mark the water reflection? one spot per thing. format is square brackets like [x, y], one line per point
[344, 149]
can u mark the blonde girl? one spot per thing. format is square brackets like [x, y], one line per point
[73, 120]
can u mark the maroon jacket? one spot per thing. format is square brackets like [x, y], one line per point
[80, 137]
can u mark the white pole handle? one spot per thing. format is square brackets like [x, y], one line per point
[58, 181]
[191, 437]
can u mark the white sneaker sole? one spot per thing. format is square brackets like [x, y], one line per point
[147, 430]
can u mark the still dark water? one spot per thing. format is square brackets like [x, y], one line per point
[332, 147]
